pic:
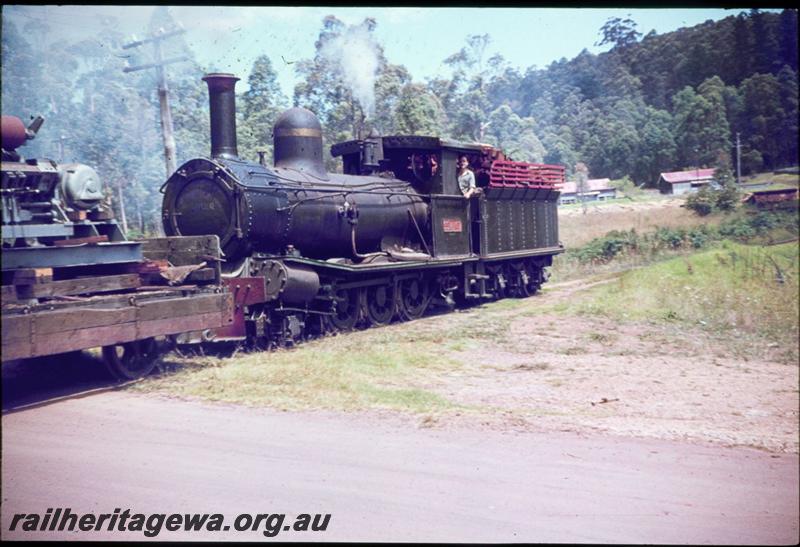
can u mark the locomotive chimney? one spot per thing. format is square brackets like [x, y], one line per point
[222, 106]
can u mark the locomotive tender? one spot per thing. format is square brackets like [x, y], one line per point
[308, 251]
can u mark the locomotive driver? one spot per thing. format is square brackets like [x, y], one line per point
[466, 178]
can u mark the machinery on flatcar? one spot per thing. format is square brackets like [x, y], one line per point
[44, 202]
[71, 280]
[308, 251]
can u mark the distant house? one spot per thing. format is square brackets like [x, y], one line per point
[685, 182]
[596, 190]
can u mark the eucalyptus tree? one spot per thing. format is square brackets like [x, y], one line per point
[262, 103]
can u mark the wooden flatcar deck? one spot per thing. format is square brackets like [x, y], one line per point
[46, 311]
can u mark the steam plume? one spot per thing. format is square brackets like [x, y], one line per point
[355, 56]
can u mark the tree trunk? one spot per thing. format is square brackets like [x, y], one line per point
[140, 216]
[121, 200]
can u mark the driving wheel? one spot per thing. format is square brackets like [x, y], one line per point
[380, 304]
[345, 315]
[414, 298]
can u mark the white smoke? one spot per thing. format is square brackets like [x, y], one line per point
[355, 56]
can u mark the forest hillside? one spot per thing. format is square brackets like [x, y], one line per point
[650, 104]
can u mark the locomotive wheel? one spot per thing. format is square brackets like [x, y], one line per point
[380, 304]
[414, 298]
[347, 310]
[525, 289]
[517, 288]
[533, 285]
[495, 287]
[131, 360]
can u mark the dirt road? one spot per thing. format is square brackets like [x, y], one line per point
[385, 479]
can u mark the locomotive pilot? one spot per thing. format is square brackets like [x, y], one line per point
[466, 178]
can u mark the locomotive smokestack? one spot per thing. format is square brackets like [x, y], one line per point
[222, 106]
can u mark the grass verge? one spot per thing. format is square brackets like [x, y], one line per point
[746, 297]
[376, 368]
[744, 292]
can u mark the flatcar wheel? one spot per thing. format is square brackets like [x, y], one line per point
[414, 298]
[380, 304]
[346, 314]
[131, 360]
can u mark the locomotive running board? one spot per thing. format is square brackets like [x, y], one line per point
[382, 266]
[426, 264]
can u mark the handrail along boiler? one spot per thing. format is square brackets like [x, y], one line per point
[307, 251]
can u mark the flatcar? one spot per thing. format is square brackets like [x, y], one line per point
[72, 280]
[307, 251]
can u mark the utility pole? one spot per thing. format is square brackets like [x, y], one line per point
[738, 161]
[163, 92]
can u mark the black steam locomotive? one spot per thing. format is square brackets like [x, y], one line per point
[308, 251]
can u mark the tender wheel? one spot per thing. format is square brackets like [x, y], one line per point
[346, 313]
[518, 281]
[525, 287]
[495, 286]
[534, 277]
[131, 360]
[380, 304]
[515, 287]
[414, 299]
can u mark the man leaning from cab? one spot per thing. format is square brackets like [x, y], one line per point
[466, 178]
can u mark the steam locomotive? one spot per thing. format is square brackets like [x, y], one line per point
[307, 251]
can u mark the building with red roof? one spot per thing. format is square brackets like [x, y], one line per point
[686, 182]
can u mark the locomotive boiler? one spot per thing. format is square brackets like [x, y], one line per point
[254, 208]
[307, 251]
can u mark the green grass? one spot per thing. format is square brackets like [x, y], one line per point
[377, 368]
[623, 197]
[775, 186]
[730, 291]
[619, 250]
[734, 289]
[787, 180]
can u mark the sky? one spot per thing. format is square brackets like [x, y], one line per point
[228, 39]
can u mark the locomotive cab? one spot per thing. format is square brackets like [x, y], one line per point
[428, 163]
[512, 223]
